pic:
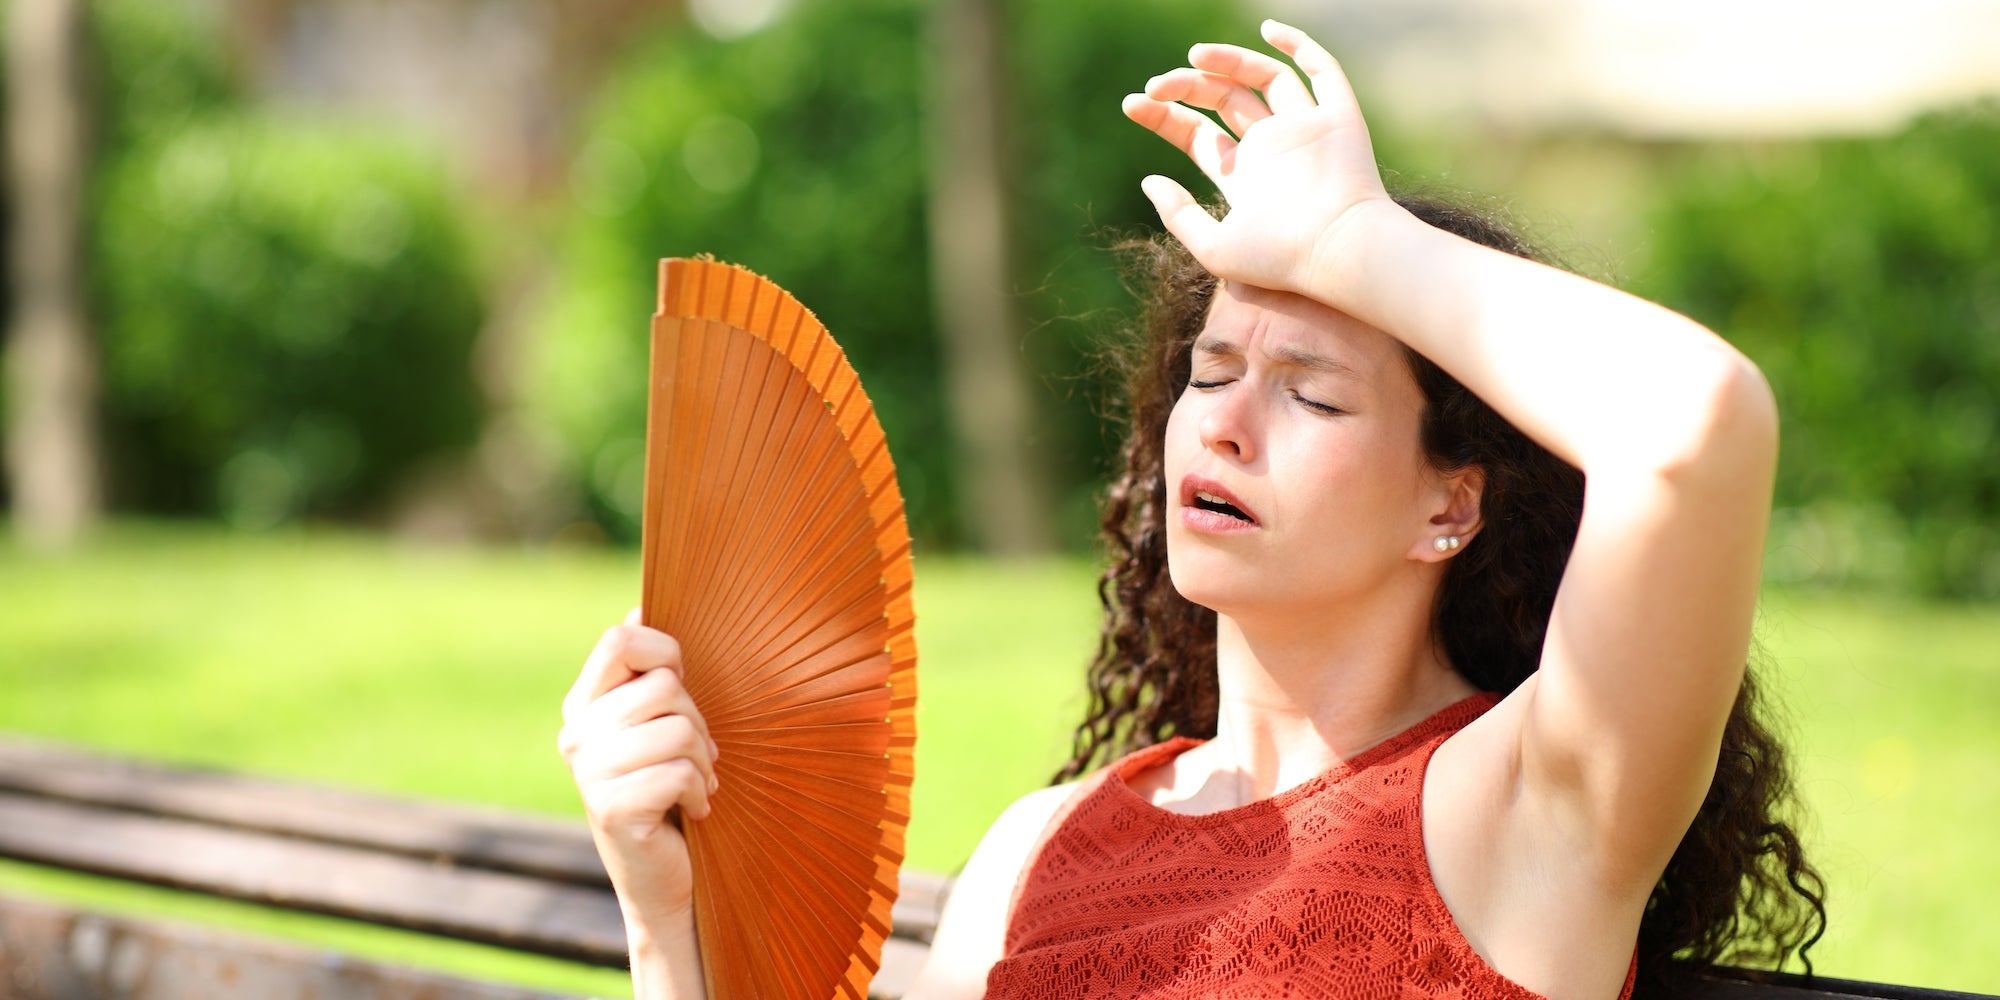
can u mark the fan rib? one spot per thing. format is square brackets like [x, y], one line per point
[797, 544]
[785, 813]
[815, 481]
[803, 522]
[659, 412]
[775, 509]
[829, 541]
[836, 888]
[750, 928]
[709, 489]
[804, 641]
[797, 635]
[747, 429]
[687, 451]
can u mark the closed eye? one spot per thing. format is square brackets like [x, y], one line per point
[1311, 404]
[1315, 405]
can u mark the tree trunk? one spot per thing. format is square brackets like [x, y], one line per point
[52, 458]
[1000, 484]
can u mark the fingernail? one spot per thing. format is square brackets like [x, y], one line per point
[714, 749]
[712, 784]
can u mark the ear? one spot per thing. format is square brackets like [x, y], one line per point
[1456, 515]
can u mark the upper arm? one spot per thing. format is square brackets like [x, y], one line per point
[1651, 626]
[972, 933]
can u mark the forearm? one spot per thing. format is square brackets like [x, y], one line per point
[1602, 378]
[666, 959]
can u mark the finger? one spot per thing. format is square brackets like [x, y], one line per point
[614, 753]
[1211, 149]
[654, 695]
[646, 795]
[1270, 77]
[622, 653]
[636, 616]
[1179, 212]
[1238, 106]
[1329, 83]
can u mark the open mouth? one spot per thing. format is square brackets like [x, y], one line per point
[1210, 502]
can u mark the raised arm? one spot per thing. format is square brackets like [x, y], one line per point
[1674, 429]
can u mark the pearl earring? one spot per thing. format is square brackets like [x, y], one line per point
[1445, 543]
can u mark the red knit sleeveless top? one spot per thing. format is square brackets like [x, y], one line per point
[1320, 891]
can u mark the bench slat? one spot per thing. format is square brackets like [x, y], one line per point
[470, 836]
[50, 952]
[514, 911]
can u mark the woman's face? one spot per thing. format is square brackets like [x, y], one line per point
[1304, 424]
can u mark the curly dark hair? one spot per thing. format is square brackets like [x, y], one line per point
[1738, 889]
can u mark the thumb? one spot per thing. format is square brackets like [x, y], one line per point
[1183, 217]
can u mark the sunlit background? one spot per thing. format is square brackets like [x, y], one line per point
[324, 396]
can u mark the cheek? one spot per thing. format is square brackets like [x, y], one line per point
[1348, 482]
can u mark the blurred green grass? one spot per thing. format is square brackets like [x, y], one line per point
[346, 659]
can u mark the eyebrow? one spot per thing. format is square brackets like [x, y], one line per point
[1296, 357]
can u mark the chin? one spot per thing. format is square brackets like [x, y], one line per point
[1245, 589]
[1214, 581]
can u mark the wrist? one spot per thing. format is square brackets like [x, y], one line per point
[666, 957]
[1335, 269]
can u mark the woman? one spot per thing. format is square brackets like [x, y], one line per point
[1405, 708]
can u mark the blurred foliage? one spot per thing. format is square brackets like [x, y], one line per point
[286, 308]
[797, 151]
[288, 314]
[159, 68]
[1864, 277]
[800, 152]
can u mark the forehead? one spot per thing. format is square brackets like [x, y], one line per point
[1292, 329]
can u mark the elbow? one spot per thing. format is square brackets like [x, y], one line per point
[1743, 422]
[1732, 433]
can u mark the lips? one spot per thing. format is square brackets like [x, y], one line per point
[1204, 494]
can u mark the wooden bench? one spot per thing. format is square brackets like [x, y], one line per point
[522, 882]
[527, 883]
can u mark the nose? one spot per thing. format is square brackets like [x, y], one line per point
[1228, 425]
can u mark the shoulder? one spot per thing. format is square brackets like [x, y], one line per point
[972, 934]
[1004, 851]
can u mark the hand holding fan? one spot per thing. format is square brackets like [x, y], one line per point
[776, 552]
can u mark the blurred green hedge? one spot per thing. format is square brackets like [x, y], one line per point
[286, 306]
[158, 68]
[288, 312]
[1863, 275]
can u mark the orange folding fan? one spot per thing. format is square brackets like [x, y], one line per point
[776, 552]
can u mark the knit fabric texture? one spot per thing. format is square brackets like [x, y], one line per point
[1320, 891]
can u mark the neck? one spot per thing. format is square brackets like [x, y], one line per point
[1299, 693]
